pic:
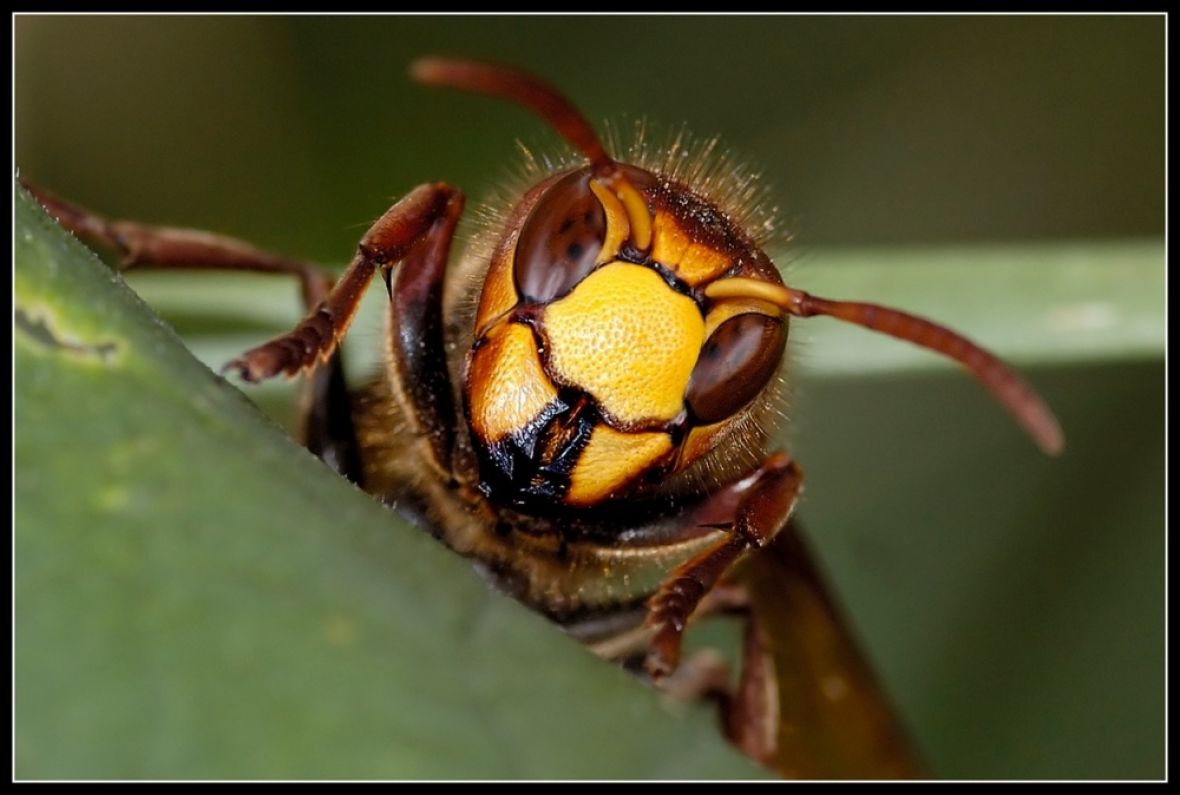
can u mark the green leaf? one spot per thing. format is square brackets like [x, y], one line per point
[198, 597]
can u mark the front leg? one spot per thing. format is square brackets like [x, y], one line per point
[417, 345]
[388, 241]
[765, 501]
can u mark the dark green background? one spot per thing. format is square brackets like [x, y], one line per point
[1014, 605]
[288, 131]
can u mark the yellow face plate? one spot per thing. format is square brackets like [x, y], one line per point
[612, 459]
[509, 389]
[628, 339]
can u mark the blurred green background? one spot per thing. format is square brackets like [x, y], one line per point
[879, 130]
[1013, 604]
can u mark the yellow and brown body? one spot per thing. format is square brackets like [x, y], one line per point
[594, 417]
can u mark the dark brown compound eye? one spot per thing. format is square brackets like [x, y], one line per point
[560, 240]
[736, 362]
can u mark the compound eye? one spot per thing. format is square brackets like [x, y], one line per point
[560, 240]
[736, 363]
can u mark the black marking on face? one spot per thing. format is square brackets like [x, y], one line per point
[530, 470]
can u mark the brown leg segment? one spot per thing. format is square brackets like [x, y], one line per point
[163, 247]
[750, 715]
[749, 712]
[807, 703]
[766, 502]
[386, 243]
[326, 425]
[325, 408]
[417, 344]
